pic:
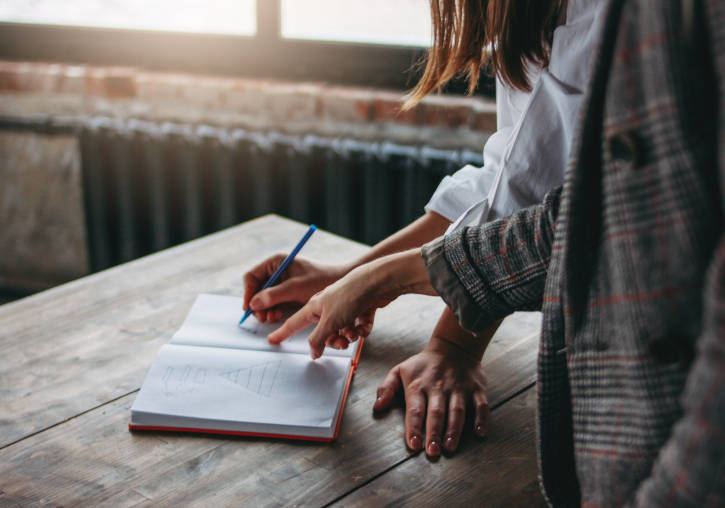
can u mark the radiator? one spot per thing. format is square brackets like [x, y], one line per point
[148, 186]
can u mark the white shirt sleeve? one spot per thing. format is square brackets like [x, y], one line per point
[470, 184]
[527, 156]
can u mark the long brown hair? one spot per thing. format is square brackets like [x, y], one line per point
[513, 32]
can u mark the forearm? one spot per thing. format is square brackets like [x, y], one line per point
[394, 275]
[424, 229]
[482, 282]
[449, 331]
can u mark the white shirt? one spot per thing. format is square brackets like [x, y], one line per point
[526, 157]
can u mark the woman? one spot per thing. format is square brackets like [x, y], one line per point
[540, 51]
[627, 263]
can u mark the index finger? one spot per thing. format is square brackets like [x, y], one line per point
[297, 321]
[251, 287]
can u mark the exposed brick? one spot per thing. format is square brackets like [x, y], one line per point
[292, 102]
[388, 108]
[448, 112]
[37, 77]
[153, 86]
[73, 80]
[346, 104]
[9, 76]
[94, 81]
[204, 90]
[120, 83]
[248, 96]
[485, 116]
[194, 97]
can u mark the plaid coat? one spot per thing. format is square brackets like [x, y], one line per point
[627, 263]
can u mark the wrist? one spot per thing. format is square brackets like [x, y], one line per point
[451, 347]
[404, 273]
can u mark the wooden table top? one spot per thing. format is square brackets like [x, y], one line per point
[73, 358]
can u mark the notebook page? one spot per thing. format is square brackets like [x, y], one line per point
[245, 391]
[213, 322]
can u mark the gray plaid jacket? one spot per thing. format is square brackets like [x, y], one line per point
[627, 263]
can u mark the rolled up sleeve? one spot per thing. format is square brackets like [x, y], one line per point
[484, 273]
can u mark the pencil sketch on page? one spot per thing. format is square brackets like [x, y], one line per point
[259, 379]
[184, 380]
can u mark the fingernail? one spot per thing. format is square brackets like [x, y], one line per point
[450, 443]
[479, 430]
[415, 443]
[434, 448]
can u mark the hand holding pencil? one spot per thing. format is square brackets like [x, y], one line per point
[295, 286]
[344, 309]
[286, 262]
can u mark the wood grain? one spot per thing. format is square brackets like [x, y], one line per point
[82, 344]
[71, 359]
[500, 472]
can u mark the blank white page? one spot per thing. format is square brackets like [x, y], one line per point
[244, 391]
[213, 322]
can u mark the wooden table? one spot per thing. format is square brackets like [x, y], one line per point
[73, 358]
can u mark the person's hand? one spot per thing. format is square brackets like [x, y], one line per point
[344, 311]
[297, 284]
[438, 384]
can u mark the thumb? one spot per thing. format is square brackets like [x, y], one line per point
[387, 389]
[281, 293]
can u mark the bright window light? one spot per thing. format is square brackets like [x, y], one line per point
[235, 17]
[399, 22]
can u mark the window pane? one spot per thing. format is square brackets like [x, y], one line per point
[401, 22]
[237, 17]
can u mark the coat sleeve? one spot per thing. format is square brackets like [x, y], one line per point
[690, 468]
[486, 272]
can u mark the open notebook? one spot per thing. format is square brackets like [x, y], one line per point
[217, 377]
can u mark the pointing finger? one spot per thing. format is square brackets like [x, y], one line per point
[298, 321]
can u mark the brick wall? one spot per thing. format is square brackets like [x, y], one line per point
[57, 89]
[41, 225]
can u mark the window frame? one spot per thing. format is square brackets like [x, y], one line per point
[377, 65]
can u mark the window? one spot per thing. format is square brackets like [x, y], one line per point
[370, 43]
[237, 17]
[399, 22]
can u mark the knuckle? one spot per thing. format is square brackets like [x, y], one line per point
[436, 412]
[482, 405]
[415, 412]
[415, 385]
[457, 410]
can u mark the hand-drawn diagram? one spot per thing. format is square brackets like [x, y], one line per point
[179, 381]
[259, 379]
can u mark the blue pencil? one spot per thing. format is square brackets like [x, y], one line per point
[287, 261]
